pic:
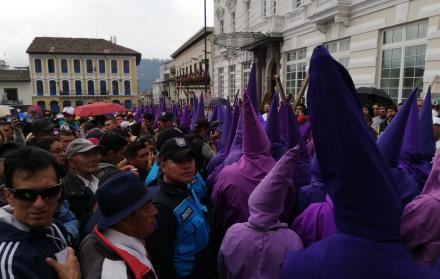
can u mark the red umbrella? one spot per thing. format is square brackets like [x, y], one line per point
[98, 108]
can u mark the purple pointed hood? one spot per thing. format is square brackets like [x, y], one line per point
[390, 141]
[185, 121]
[265, 207]
[255, 140]
[432, 186]
[427, 134]
[412, 161]
[227, 119]
[277, 149]
[236, 149]
[411, 146]
[366, 204]
[303, 174]
[194, 112]
[200, 109]
[217, 163]
[251, 90]
[214, 114]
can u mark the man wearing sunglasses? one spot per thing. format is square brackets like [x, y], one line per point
[28, 235]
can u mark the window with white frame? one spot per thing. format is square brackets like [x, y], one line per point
[231, 80]
[248, 12]
[340, 50]
[403, 59]
[221, 82]
[246, 74]
[264, 7]
[297, 3]
[233, 22]
[274, 7]
[295, 70]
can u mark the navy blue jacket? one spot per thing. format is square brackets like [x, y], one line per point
[23, 253]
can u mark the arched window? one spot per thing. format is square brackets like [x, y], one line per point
[126, 66]
[65, 87]
[128, 104]
[114, 66]
[67, 103]
[103, 87]
[64, 66]
[37, 65]
[54, 107]
[89, 66]
[53, 88]
[78, 87]
[91, 87]
[115, 86]
[40, 88]
[42, 105]
[77, 66]
[50, 66]
[116, 102]
[127, 87]
[102, 66]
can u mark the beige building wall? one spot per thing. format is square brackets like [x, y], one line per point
[85, 97]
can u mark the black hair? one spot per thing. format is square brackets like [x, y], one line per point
[30, 160]
[4, 123]
[112, 141]
[148, 116]
[136, 129]
[87, 126]
[67, 133]
[133, 148]
[45, 142]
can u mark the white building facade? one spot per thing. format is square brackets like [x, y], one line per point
[393, 45]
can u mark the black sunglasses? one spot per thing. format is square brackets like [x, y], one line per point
[31, 195]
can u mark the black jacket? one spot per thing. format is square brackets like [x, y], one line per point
[81, 199]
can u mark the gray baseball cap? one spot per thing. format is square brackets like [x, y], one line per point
[80, 146]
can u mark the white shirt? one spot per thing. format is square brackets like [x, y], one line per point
[92, 184]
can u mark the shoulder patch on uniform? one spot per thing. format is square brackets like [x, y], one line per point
[180, 142]
[186, 213]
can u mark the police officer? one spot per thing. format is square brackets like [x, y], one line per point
[179, 247]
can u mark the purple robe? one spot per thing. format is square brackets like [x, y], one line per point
[253, 249]
[342, 256]
[420, 225]
[316, 222]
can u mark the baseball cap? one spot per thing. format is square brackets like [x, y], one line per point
[435, 120]
[81, 146]
[121, 195]
[42, 125]
[165, 135]
[176, 149]
[69, 110]
[166, 116]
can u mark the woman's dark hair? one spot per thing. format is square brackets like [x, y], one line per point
[30, 160]
[45, 142]
[112, 141]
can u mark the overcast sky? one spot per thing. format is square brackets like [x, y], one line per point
[155, 28]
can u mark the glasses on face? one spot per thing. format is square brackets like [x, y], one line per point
[31, 195]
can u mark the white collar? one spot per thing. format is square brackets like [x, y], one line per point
[130, 244]
[91, 184]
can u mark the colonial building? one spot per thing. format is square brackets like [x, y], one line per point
[77, 71]
[189, 74]
[15, 88]
[389, 44]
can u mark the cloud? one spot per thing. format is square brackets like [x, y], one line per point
[154, 28]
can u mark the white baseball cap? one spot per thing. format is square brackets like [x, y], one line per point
[69, 110]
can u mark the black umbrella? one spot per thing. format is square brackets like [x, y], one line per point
[218, 100]
[371, 95]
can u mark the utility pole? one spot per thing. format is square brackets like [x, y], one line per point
[206, 60]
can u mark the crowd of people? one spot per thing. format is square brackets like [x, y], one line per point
[327, 190]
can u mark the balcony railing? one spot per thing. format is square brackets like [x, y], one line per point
[83, 94]
[11, 102]
[193, 79]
